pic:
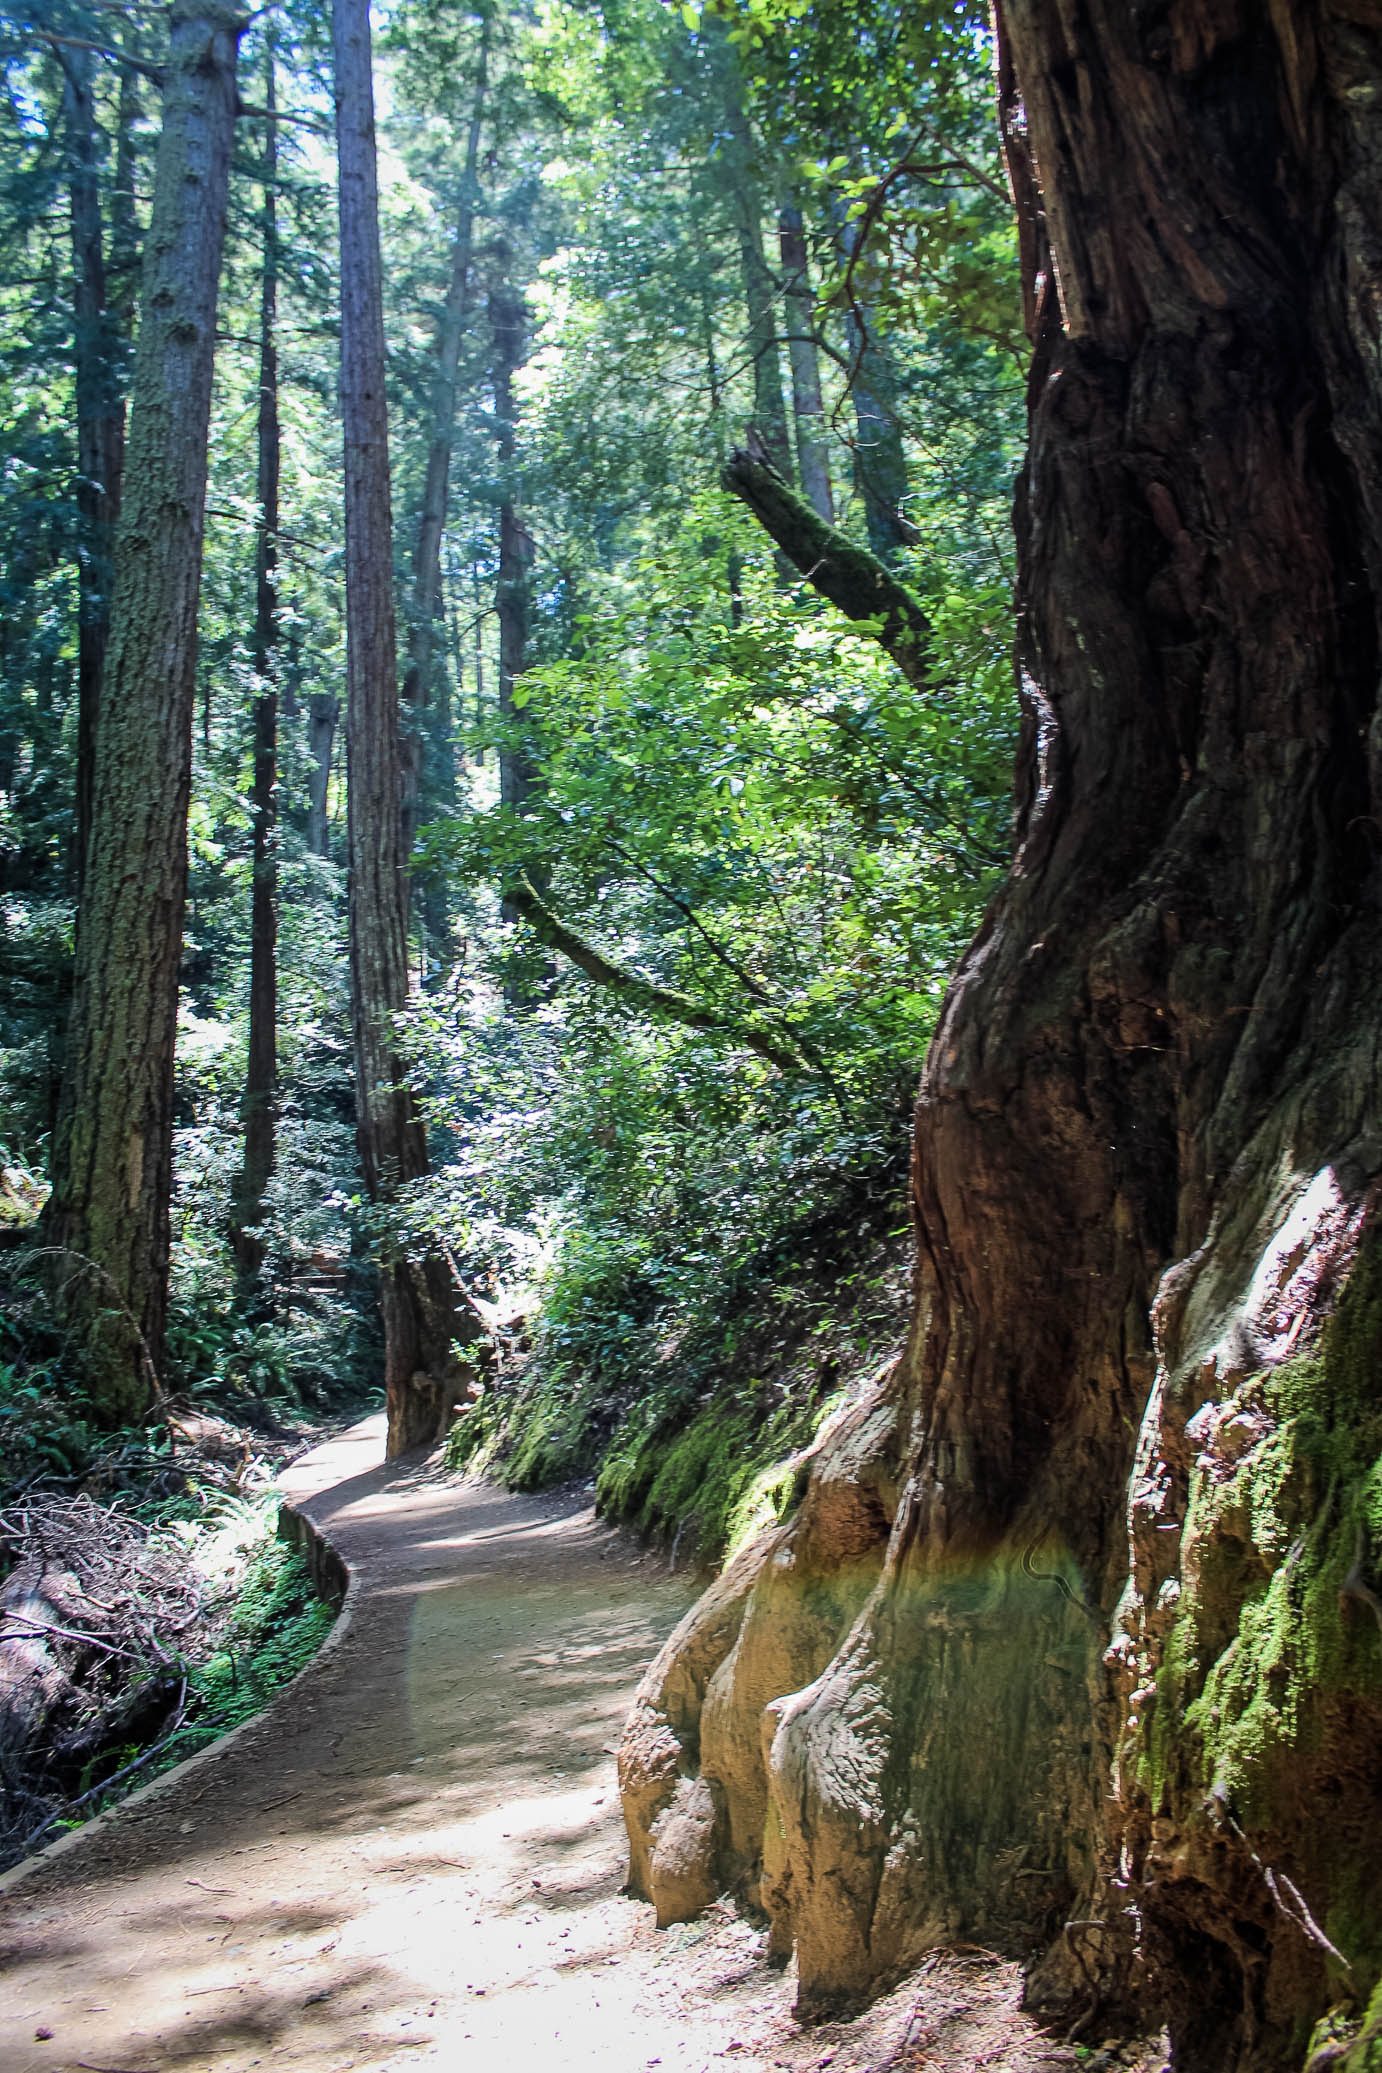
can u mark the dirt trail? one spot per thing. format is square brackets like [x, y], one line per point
[414, 1857]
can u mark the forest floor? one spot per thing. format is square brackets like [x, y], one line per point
[415, 1856]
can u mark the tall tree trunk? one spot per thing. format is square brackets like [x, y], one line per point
[734, 562]
[760, 301]
[427, 602]
[741, 162]
[100, 425]
[415, 1295]
[813, 457]
[109, 1214]
[1088, 1647]
[508, 317]
[259, 1109]
[427, 587]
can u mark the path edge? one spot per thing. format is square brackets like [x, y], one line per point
[332, 1577]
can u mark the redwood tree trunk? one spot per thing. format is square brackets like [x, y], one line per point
[509, 325]
[415, 1295]
[323, 711]
[112, 1174]
[1075, 1664]
[259, 1109]
[880, 459]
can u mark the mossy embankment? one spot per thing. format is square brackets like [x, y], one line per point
[1257, 1756]
[688, 1420]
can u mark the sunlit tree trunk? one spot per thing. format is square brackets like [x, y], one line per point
[426, 599]
[415, 1294]
[813, 459]
[509, 327]
[323, 713]
[259, 1109]
[109, 1214]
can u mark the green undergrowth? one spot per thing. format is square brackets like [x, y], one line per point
[227, 1673]
[1269, 1697]
[277, 1626]
[689, 1425]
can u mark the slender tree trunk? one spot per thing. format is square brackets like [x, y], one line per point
[109, 1215]
[427, 587]
[418, 681]
[415, 1295]
[259, 1109]
[760, 300]
[734, 565]
[100, 426]
[760, 287]
[509, 325]
[323, 711]
[813, 458]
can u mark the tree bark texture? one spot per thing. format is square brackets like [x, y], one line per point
[415, 1294]
[100, 423]
[109, 1213]
[808, 412]
[259, 1109]
[1072, 1644]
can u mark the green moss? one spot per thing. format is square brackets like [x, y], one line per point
[692, 1426]
[1342, 2043]
[278, 1626]
[1266, 1658]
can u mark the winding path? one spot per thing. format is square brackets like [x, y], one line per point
[414, 1857]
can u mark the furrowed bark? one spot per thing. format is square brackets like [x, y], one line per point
[813, 458]
[259, 1108]
[420, 1319]
[109, 1213]
[851, 578]
[642, 993]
